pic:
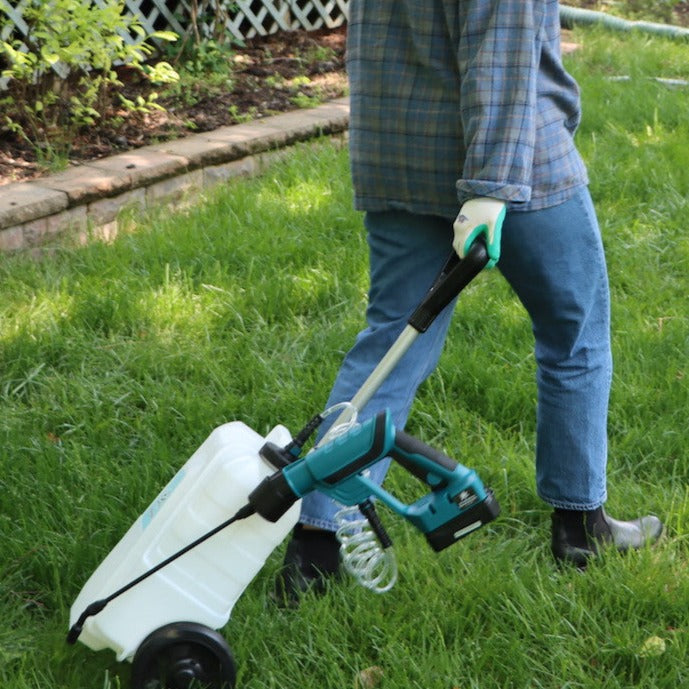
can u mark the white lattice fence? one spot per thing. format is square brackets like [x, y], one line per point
[241, 18]
[11, 20]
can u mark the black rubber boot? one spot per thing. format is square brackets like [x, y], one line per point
[311, 558]
[579, 536]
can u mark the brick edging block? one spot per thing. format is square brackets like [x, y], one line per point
[92, 195]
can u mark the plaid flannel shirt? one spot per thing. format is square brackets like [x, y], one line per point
[452, 99]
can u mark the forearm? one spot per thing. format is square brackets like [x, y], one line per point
[498, 60]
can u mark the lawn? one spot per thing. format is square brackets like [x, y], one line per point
[117, 361]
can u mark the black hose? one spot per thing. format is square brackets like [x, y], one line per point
[95, 607]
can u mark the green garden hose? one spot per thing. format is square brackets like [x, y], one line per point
[571, 16]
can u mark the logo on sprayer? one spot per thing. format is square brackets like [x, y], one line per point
[465, 499]
[155, 507]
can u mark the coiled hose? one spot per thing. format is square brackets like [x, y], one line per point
[372, 563]
[363, 556]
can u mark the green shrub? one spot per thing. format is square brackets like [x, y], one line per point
[62, 73]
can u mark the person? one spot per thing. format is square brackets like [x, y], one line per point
[464, 105]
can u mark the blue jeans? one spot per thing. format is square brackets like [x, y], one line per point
[554, 261]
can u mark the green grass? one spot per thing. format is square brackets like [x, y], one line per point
[117, 361]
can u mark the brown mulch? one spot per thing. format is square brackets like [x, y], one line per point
[271, 74]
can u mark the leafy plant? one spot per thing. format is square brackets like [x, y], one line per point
[207, 21]
[301, 99]
[206, 57]
[62, 73]
[204, 70]
[239, 117]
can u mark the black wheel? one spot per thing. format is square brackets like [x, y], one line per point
[183, 655]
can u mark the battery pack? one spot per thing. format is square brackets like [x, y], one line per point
[465, 523]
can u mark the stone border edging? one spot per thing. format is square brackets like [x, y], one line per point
[86, 199]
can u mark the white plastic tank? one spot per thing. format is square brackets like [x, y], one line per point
[204, 584]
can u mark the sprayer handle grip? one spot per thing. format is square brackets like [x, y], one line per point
[421, 460]
[452, 279]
